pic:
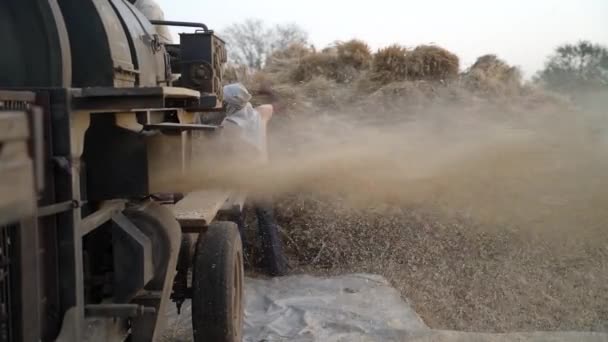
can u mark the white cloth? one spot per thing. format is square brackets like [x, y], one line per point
[240, 112]
[152, 11]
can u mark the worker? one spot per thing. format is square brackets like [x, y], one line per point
[248, 125]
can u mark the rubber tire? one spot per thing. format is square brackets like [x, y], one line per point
[217, 285]
[274, 259]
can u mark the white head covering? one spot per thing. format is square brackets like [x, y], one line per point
[240, 112]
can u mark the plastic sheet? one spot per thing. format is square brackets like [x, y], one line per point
[357, 307]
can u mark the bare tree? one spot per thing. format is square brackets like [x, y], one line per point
[250, 42]
[247, 42]
[286, 35]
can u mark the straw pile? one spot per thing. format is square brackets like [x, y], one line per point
[349, 74]
[457, 276]
[316, 64]
[493, 76]
[280, 64]
[390, 64]
[428, 62]
[355, 53]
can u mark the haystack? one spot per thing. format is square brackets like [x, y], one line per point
[355, 53]
[316, 64]
[493, 76]
[279, 65]
[390, 64]
[323, 64]
[432, 63]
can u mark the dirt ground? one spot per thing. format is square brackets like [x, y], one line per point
[456, 275]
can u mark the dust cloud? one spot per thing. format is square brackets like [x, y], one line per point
[484, 217]
[542, 170]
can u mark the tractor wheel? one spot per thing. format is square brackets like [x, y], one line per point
[217, 285]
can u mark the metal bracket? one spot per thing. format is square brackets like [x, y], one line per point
[105, 213]
[58, 208]
[130, 243]
[117, 310]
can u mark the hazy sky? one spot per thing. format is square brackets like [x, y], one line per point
[521, 32]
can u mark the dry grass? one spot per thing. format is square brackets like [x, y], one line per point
[316, 64]
[390, 64]
[324, 64]
[354, 53]
[457, 275]
[493, 76]
[281, 63]
[427, 62]
[346, 74]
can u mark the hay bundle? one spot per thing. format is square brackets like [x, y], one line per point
[493, 76]
[434, 63]
[280, 64]
[390, 64]
[355, 53]
[316, 64]
[326, 65]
